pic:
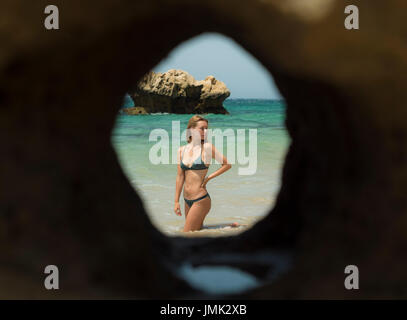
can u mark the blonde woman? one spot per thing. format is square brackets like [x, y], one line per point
[193, 163]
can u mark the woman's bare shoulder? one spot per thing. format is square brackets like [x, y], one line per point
[210, 147]
[207, 144]
[180, 150]
[182, 147]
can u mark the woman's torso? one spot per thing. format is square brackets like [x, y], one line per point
[194, 178]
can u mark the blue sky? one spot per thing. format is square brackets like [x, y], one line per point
[220, 56]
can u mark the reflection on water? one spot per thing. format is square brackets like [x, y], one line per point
[217, 279]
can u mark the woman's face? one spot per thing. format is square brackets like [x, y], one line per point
[199, 132]
[202, 126]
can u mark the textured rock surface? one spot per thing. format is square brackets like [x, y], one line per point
[65, 200]
[176, 91]
[134, 110]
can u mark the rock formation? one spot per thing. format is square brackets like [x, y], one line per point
[176, 91]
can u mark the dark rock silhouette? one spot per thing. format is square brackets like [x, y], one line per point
[65, 200]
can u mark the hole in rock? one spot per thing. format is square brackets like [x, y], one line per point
[152, 122]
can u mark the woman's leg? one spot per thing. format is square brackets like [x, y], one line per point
[186, 210]
[197, 214]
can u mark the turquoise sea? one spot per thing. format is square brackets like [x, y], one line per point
[235, 198]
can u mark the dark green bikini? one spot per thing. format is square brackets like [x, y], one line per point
[196, 165]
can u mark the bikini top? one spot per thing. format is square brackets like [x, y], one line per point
[198, 164]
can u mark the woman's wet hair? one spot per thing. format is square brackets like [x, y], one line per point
[192, 123]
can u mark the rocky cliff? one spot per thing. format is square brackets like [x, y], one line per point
[176, 91]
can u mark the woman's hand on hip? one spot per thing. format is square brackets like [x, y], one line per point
[203, 185]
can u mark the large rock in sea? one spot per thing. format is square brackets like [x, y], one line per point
[176, 91]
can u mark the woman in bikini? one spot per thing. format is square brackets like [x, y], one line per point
[193, 164]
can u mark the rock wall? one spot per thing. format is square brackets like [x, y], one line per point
[65, 200]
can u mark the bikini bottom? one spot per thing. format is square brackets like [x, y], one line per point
[191, 202]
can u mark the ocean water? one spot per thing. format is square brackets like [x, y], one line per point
[235, 198]
[218, 279]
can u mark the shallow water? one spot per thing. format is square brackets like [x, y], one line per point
[235, 198]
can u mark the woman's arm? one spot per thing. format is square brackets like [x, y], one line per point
[179, 182]
[221, 159]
